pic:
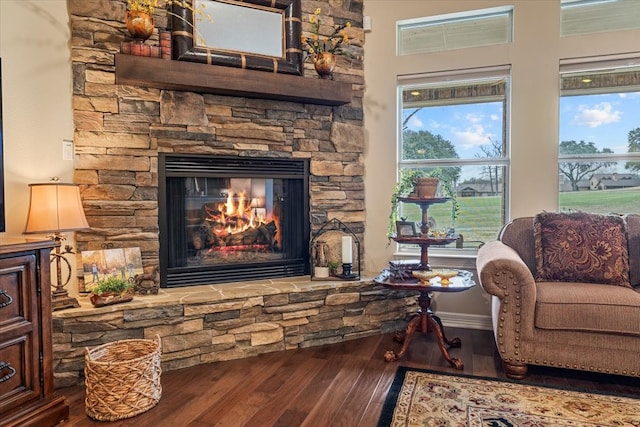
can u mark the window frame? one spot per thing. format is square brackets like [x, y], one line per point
[448, 79]
[597, 68]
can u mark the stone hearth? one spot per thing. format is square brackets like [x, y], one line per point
[204, 324]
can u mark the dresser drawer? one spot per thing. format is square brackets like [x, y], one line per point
[18, 381]
[18, 297]
[27, 397]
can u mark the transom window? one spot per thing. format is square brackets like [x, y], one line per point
[595, 16]
[474, 28]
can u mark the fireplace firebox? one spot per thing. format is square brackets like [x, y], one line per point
[229, 219]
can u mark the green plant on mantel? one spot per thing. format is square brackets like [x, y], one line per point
[333, 267]
[406, 185]
[112, 285]
[149, 6]
[315, 44]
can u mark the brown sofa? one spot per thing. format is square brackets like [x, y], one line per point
[576, 325]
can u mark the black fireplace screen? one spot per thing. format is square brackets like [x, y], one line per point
[227, 219]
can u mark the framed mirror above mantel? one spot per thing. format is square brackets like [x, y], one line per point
[259, 35]
[221, 80]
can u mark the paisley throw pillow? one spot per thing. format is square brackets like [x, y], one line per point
[581, 247]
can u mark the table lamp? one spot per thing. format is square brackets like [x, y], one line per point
[55, 207]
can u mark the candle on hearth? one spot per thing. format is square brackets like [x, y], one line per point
[346, 250]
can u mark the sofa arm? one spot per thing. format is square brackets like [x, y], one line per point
[504, 275]
[497, 264]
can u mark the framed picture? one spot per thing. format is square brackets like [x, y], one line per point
[405, 229]
[123, 263]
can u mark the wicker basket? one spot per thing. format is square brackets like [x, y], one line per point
[122, 378]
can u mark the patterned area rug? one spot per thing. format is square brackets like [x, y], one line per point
[427, 398]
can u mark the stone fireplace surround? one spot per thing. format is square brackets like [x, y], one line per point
[119, 131]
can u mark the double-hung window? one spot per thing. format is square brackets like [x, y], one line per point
[454, 126]
[599, 141]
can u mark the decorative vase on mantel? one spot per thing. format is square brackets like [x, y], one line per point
[139, 24]
[324, 63]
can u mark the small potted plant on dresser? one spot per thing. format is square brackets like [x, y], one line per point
[113, 290]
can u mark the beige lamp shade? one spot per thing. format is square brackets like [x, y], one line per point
[55, 207]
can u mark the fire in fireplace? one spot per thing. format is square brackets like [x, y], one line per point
[227, 219]
[226, 226]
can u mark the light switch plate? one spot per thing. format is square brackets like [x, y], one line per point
[67, 149]
[366, 23]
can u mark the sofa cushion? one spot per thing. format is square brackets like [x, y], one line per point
[581, 247]
[587, 307]
[518, 234]
[633, 238]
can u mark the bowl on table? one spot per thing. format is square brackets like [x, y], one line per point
[444, 275]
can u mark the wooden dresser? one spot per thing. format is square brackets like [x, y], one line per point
[26, 354]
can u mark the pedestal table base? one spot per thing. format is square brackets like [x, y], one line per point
[428, 323]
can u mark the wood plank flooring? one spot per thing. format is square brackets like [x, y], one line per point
[335, 385]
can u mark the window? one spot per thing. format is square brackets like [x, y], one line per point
[595, 16]
[455, 31]
[599, 142]
[458, 131]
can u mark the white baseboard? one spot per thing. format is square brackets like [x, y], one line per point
[469, 321]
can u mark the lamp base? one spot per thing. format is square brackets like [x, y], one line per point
[62, 302]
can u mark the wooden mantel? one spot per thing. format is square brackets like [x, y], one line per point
[219, 80]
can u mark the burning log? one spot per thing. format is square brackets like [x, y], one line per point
[213, 235]
[205, 236]
[268, 233]
[242, 238]
[233, 225]
[262, 235]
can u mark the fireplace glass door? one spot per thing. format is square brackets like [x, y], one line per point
[233, 219]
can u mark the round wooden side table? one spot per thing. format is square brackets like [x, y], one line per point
[425, 318]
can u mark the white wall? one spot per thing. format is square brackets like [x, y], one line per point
[36, 91]
[534, 56]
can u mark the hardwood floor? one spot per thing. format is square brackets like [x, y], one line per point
[337, 385]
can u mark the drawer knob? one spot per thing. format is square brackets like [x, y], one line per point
[5, 298]
[6, 366]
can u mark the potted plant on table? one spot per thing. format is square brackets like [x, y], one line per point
[407, 186]
[113, 290]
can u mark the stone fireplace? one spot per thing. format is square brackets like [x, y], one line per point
[126, 128]
[229, 219]
[128, 111]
